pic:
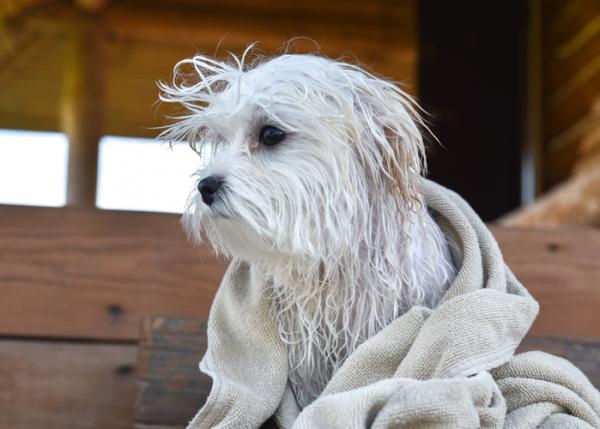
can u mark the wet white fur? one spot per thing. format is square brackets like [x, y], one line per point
[332, 216]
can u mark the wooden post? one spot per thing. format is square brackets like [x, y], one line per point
[531, 149]
[82, 108]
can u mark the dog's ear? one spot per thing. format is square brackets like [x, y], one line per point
[389, 140]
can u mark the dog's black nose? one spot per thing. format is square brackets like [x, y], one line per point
[208, 187]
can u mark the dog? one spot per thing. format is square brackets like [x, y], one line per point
[312, 176]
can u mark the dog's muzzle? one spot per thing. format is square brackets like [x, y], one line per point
[208, 187]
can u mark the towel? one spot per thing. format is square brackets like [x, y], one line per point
[453, 366]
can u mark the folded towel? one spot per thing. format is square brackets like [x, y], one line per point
[453, 366]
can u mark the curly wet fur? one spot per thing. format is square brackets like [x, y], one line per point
[332, 216]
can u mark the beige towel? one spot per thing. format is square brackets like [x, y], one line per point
[449, 367]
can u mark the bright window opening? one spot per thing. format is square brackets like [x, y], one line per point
[33, 168]
[145, 175]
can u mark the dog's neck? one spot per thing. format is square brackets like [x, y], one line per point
[326, 308]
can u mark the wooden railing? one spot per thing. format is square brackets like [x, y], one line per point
[75, 285]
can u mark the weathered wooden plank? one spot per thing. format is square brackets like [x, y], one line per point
[54, 385]
[171, 389]
[95, 274]
[560, 269]
[268, 425]
[151, 426]
[72, 272]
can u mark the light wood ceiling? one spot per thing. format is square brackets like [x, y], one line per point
[142, 40]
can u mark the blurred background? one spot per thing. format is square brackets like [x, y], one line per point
[512, 89]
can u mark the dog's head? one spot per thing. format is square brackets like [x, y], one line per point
[304, 153]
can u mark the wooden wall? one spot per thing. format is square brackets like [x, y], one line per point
[570, 74]
[76, 283]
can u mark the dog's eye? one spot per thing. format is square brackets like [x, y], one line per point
[271, 135]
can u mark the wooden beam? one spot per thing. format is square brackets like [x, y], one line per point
[66, 385]
[394, 24]
[22, 9]
[171, 389]
[570, 78]
[16, 45]
[170, 386]
[91, 5]
[82, 109]
[531, 145]
[560, 269]
[81, 273]
[144, 43]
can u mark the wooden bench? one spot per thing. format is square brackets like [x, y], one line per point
[559, 267]
[171, 389]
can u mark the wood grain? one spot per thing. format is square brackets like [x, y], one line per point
[151, 426]
[82, 108]
[95, 274]
[143, 43]
[561, 269]
[55, 385]
[77, 273]
[171, 389]
[570, 76]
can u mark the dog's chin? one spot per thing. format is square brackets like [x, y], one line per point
[235, 239]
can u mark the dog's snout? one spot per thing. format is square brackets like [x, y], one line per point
[208, 187]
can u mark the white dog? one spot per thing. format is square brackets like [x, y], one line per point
[313, 177]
